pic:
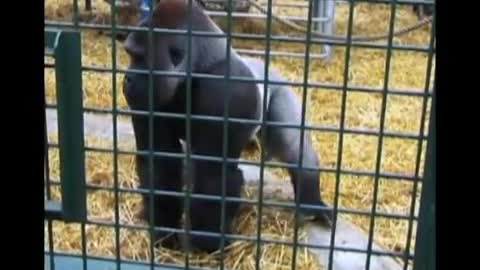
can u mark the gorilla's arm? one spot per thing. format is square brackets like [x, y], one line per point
[284, 143]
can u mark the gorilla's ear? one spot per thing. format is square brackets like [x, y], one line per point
[135, 44]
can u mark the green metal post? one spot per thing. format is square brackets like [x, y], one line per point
[425, 252]
[66, 49]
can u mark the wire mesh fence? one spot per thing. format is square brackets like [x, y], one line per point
[364, 110]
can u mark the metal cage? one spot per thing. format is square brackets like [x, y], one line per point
[71, 118]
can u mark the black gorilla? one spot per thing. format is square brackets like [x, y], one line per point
[245, 100]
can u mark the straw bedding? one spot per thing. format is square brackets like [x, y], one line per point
[367, 69]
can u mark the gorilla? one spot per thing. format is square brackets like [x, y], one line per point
[245, 100]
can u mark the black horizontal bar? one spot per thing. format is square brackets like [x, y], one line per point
[357, 131]
[259, 37]
[69, 261]
[398, 2]
[248, 79]
[301, 5]
[65, 261]
[239, 237]
[271, 203]
[272, 164]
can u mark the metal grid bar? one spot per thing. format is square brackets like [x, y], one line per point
[51, 247]
[244, 238]
[272, 203]
[326, 9]
[241, 238]
[323, 86]
[48, 190]
[46, 155]
[259, 37]
[72, 262]
[340, 137]
[115, 139]
[150, 143]
[188, 130]
[67, 45]
[399, 2]
[176, 266]
[226, 102]
[263, 135]
[393, 9]
[48, 193]
[302, 131]
[359, 131]
[271, 164]
[419, 148]
[105, 262]
[82, 224]
[425, 254]
[214, 14]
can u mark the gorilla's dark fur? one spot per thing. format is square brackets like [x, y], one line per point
[245, 100]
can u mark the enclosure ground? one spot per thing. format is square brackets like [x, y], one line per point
[367, 69]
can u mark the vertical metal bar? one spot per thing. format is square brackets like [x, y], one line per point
[380, 138]
[420, 144]
[302, 129]
[113, 10]
[317, 12]
[188, 128]
[75, 13]
[263, 134]
[47, 162]
[329, 25]
[70, 129]
[84, 245]
[426, 241]
[50, 244]
[47, 180]
[82, 224]
[70, 126]
[88, 5]
[226, 103]
[341, 132]
[325, 10]
[150, 141]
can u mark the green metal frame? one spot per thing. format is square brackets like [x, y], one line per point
[72, 262]
[425, 248]
[65, 47]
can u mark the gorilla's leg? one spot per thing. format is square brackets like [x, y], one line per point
[167, 210]
[206, 214]
[284, 144]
